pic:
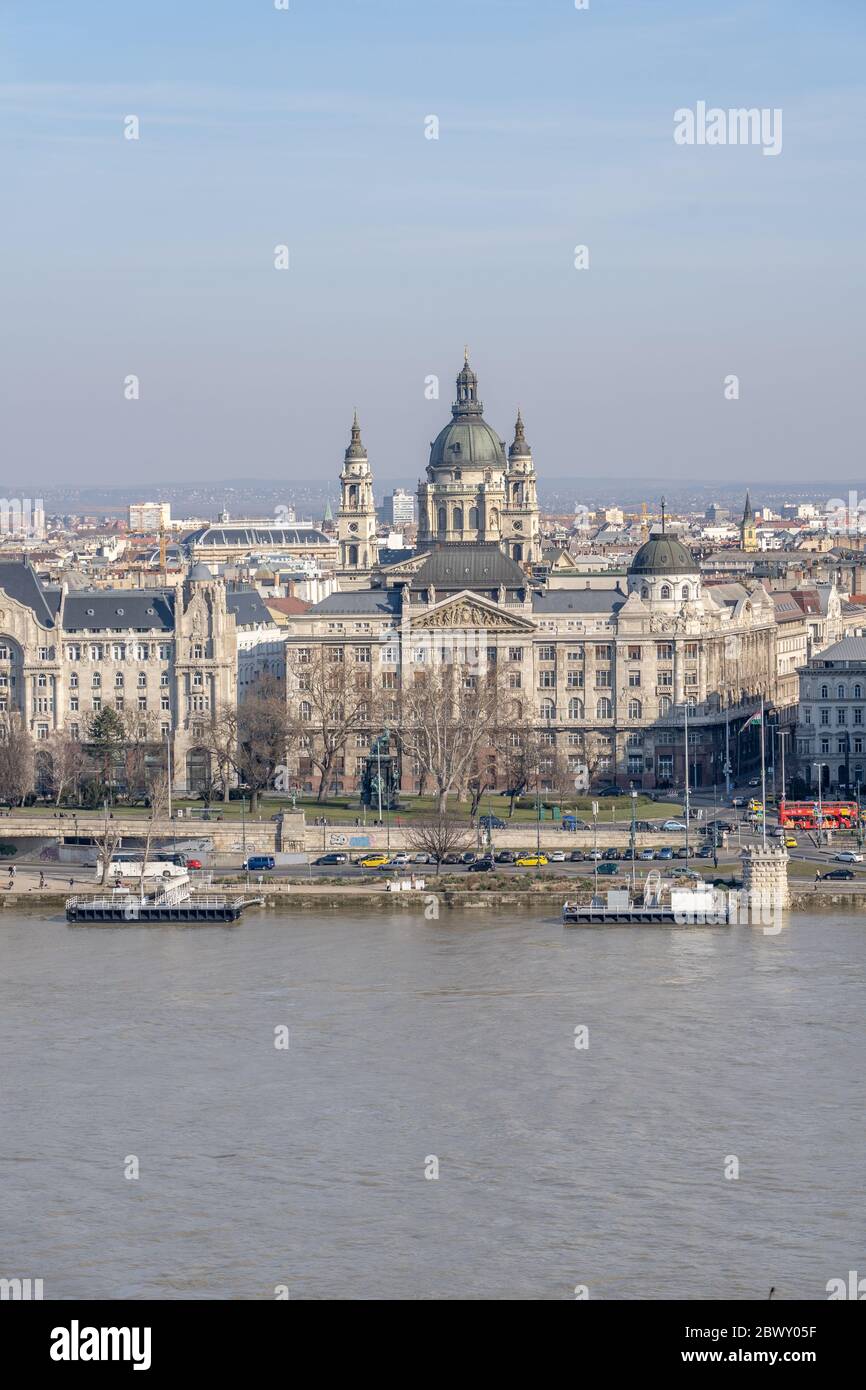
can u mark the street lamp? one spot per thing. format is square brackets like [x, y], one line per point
[633, 840]
[820, 802]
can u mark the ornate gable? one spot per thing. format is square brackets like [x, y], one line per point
[467, 610]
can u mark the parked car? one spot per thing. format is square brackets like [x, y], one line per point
[400, 858]
[673, 825]
[451, 859]
[373, 861]
[468, 857]
[594, 854]
[724, 825]
[194, 864]
[754, 781]
[556, 856]
[738, 801]
[491, 823]
[577, 856]
[665, 853]
[838, 873]
[506, 856]
[422, 858]
[481, 866]
[573, 823]
[257, 862]
[608, 868]
[613, 791]
[611, 853]
[848, 856]
[531, 861]
[647, 854]
[643, 825]
[332, 859]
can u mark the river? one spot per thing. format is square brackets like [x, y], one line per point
[301, 1169]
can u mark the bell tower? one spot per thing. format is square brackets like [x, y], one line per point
[356, 519]
[748, 528]
[520, 522]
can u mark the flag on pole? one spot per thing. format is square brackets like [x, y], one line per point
[753, 719]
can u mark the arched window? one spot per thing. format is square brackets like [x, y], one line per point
[857, 692]
[666, 591]
[458, 519]
[442, 522]
[547, 709]
[518, 552]
[473, 518]
[353, 555]
[644, 590]
[634, 709]
[603, 709]
[685, 591]
[118, 680]
[306, 710]
[840, 692]
[665, 704]
[824, 692]
[575, 709]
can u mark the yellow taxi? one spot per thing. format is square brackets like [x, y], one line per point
[530, 861]
[373, 861]
[790, 842]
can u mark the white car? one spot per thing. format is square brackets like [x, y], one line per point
[674, 825]
[557, 856]
[848, 856]
[400, 858]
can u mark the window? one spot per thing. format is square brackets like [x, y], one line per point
[142, 702]
[118, 680]
[665, 651]
[142, 679]
[664, 704]
[858, 715]
[602, 653]
[515, 680]
[335, 655]
[547, 709]
[603, 709]
[362, 654]
[841, 716]
[840, 692]
[164, 702]
[96, 680]
[685, 591]
[575, 654]
[163, 679]
[644, 591]
[634, 709]
[546, 679]
[666, 678]
[574, 680]
[825, 691]
[634, 653]
[634, 679]
[666, 591]
[546, 653]
[825, 716]
[857, 692]
[603, 680]
[515, 653]
[665, 766]
[575, 709]
[691, 651]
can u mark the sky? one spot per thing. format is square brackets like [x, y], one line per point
[307, 128]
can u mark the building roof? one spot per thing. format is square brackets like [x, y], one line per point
[578, 601]
[118, 610]
[256, 534]
[379, 602]
[248, 607]
[289, 606]
[663, 554]
[849, 649]
[20, 581]
[466, 565]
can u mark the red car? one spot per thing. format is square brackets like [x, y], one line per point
[194, 864]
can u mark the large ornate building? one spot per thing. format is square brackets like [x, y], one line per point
[166, 660]
[602, 674]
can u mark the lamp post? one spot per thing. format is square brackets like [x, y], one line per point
[820, 804]
[783, 734]
[633, 841]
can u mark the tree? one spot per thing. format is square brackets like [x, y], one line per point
[106, 734]
[221, 740]
[68, 761]
[448, 713]
[440, 836]
[158, 796]
[522, 755]
[106, 844]
[330, 699]
[17, 763]
[262, 738]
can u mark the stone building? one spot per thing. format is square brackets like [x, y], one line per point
[602, 673]
[167, 660]
[831, 731]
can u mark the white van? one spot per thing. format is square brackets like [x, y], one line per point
[131, 867]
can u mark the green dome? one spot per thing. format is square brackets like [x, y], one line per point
[467, 441]
[663, 555]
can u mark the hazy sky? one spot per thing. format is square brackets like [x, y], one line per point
[260, 127]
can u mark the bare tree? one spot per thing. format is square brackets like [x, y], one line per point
[106, 843]
[68, 762]
[17, 762]
[221, 741]
[158, 788]
[330, 700]
[440, 836]
[263, 737]
[448, 713]
[522, 758]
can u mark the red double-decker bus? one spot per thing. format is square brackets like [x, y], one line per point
[806, 815]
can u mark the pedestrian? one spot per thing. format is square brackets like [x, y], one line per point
[41, 879]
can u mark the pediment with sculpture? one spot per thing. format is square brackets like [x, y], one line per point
[466, 610]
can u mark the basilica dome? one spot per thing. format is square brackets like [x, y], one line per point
[467, 441]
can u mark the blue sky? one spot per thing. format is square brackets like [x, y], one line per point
[306, 127]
